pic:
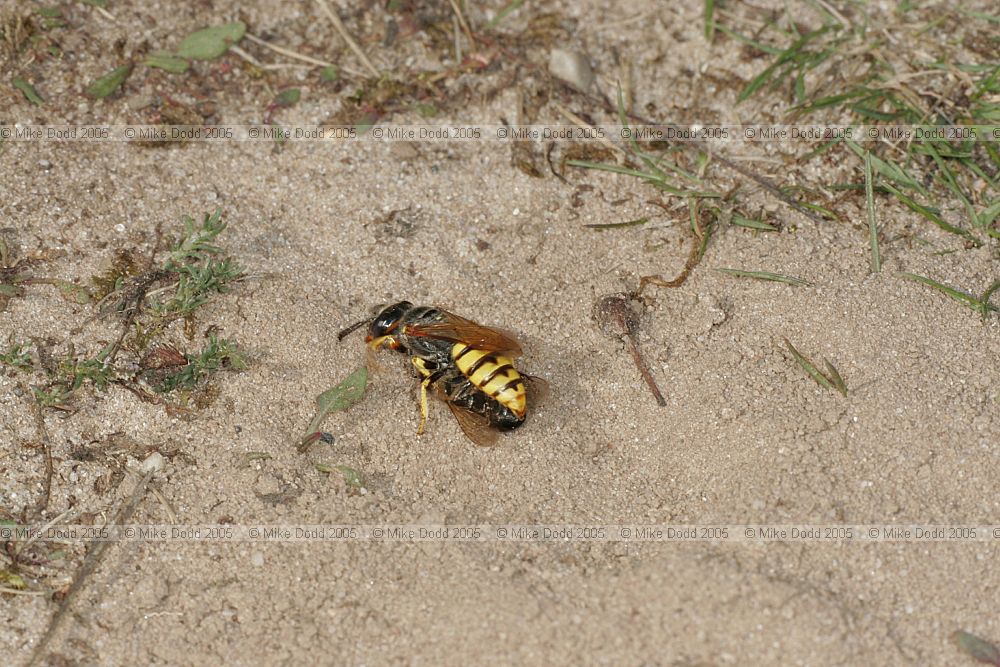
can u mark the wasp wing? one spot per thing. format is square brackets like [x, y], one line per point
[476, 427]
[460, 330]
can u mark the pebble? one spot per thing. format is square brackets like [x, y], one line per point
[44, 164]
[573, 67]
[153, 463]
[257, 559]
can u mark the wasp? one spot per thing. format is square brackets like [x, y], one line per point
[469, 365]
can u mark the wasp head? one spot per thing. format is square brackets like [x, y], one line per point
[380, 331]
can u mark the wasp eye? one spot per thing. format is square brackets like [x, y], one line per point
[388, 320]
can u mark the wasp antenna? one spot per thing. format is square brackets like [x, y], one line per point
[351, 329]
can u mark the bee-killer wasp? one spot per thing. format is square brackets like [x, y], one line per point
[469, 365]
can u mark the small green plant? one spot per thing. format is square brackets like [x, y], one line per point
[78, 371]
[201, 272]
[146, 297]
[17, 356]
[977, 648]
[53, 397]
[196, 285]
[72, 373]
[218, 354]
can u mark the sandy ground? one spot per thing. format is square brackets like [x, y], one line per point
[745, 437]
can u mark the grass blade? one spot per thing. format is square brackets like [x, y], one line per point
[653, 179]
[834, 375]
[986, 217]
[765, 275]
[618, 225]
[931, 214]
[872, 225]
[789, 54]
[889, 170]
[503, 13]
[808, 367]
[739, 37]
[962, 297]
[709, 20]
[750, 223]
[985, 298]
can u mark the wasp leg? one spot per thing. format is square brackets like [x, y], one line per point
[423, 405]
[430, 377]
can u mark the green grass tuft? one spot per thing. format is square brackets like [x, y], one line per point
[845, 72]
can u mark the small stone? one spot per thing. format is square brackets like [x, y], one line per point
[153, 463]
[257, 559]
[45, 164]
[573, 67]
[404, 151]
[140, 101]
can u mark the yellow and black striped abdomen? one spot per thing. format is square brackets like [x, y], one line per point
[493, 374]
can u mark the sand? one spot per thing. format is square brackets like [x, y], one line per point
[746, 437]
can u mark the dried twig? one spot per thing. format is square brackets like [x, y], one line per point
[90, 562]
[461, 20]
[339, 25]
[261, 66]
[43, 436]
[288, 52]
[579, 122]
[34, 538]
